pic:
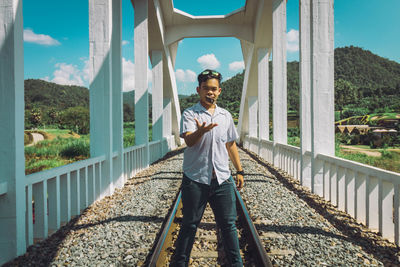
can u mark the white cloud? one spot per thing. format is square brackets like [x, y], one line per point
[292, 44]
[42, 39]
[236, 65]
[125, 42]
[185, 75]
[208, 61]
[68, 74]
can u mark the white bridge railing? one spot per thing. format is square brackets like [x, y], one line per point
[368, 194]
[55, 196]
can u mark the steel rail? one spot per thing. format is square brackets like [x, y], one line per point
[159, 253]
[252, 238]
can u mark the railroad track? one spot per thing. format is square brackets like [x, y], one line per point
[207, 249]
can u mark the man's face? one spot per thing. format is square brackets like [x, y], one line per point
[209, 89]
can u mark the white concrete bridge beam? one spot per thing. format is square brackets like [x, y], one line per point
[12, 160]
[243, 124]
[322, 100]
[106, 89]
[305, 92]
[170, 92]
[117, 84]
[141, 40]
[157, 95]
[253, 116]
[279, 82]
[263, 93]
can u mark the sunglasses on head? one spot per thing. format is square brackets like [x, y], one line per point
[211, 72]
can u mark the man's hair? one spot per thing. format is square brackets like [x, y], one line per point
[209, 74]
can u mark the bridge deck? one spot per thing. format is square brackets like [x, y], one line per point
[297, 228]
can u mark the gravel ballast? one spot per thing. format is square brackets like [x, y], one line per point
[297, 228]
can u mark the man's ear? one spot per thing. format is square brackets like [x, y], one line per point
[198, 89]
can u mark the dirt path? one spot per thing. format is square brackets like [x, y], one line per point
[368, 152]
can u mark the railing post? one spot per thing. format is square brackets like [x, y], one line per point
[141, 40]
[279, 82]
[12, 161]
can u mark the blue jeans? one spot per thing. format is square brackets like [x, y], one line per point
[223, 203]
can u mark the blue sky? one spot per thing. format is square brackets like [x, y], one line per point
[56, 38]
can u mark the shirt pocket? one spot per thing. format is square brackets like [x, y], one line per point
[223, 138]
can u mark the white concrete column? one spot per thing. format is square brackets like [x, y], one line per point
[253, 119]
[305, 91]
[322, 100]
[279, 81]
[167, 118]
[157, 95]
[248, 53]
[101, 82]
[263, 93]
[171, 90]
[141, 39]
[12, 160]
[117, 106]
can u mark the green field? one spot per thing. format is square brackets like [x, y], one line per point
[60, 148]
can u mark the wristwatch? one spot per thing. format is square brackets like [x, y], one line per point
[240, 172]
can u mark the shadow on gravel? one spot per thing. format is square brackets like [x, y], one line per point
[167, 178]
[164, 172]
[44, 252]
[356, 233]
[287, 229]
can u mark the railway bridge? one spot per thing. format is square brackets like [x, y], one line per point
[368, 195]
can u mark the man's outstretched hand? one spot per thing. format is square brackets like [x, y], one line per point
[203, 127]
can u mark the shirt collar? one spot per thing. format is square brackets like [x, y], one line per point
[199, 107]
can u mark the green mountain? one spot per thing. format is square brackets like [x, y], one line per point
[43, 94]
[364, 83]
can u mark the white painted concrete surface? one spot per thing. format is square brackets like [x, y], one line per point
[12, 161]
[279, 73]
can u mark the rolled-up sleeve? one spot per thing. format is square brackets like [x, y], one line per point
[188, 124]
[232, 134]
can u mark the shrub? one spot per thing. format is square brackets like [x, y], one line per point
[76, 119]
[75, 148]
[351, 112]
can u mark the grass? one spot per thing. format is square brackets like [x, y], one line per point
[53, 153]
[390, 160]
[62, 147]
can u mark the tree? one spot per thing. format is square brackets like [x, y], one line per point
[345, 93]
[35, 116]
[76, 119]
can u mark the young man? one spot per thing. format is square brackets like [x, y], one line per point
[210, 135]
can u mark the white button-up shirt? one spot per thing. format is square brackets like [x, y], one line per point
[210, 151]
